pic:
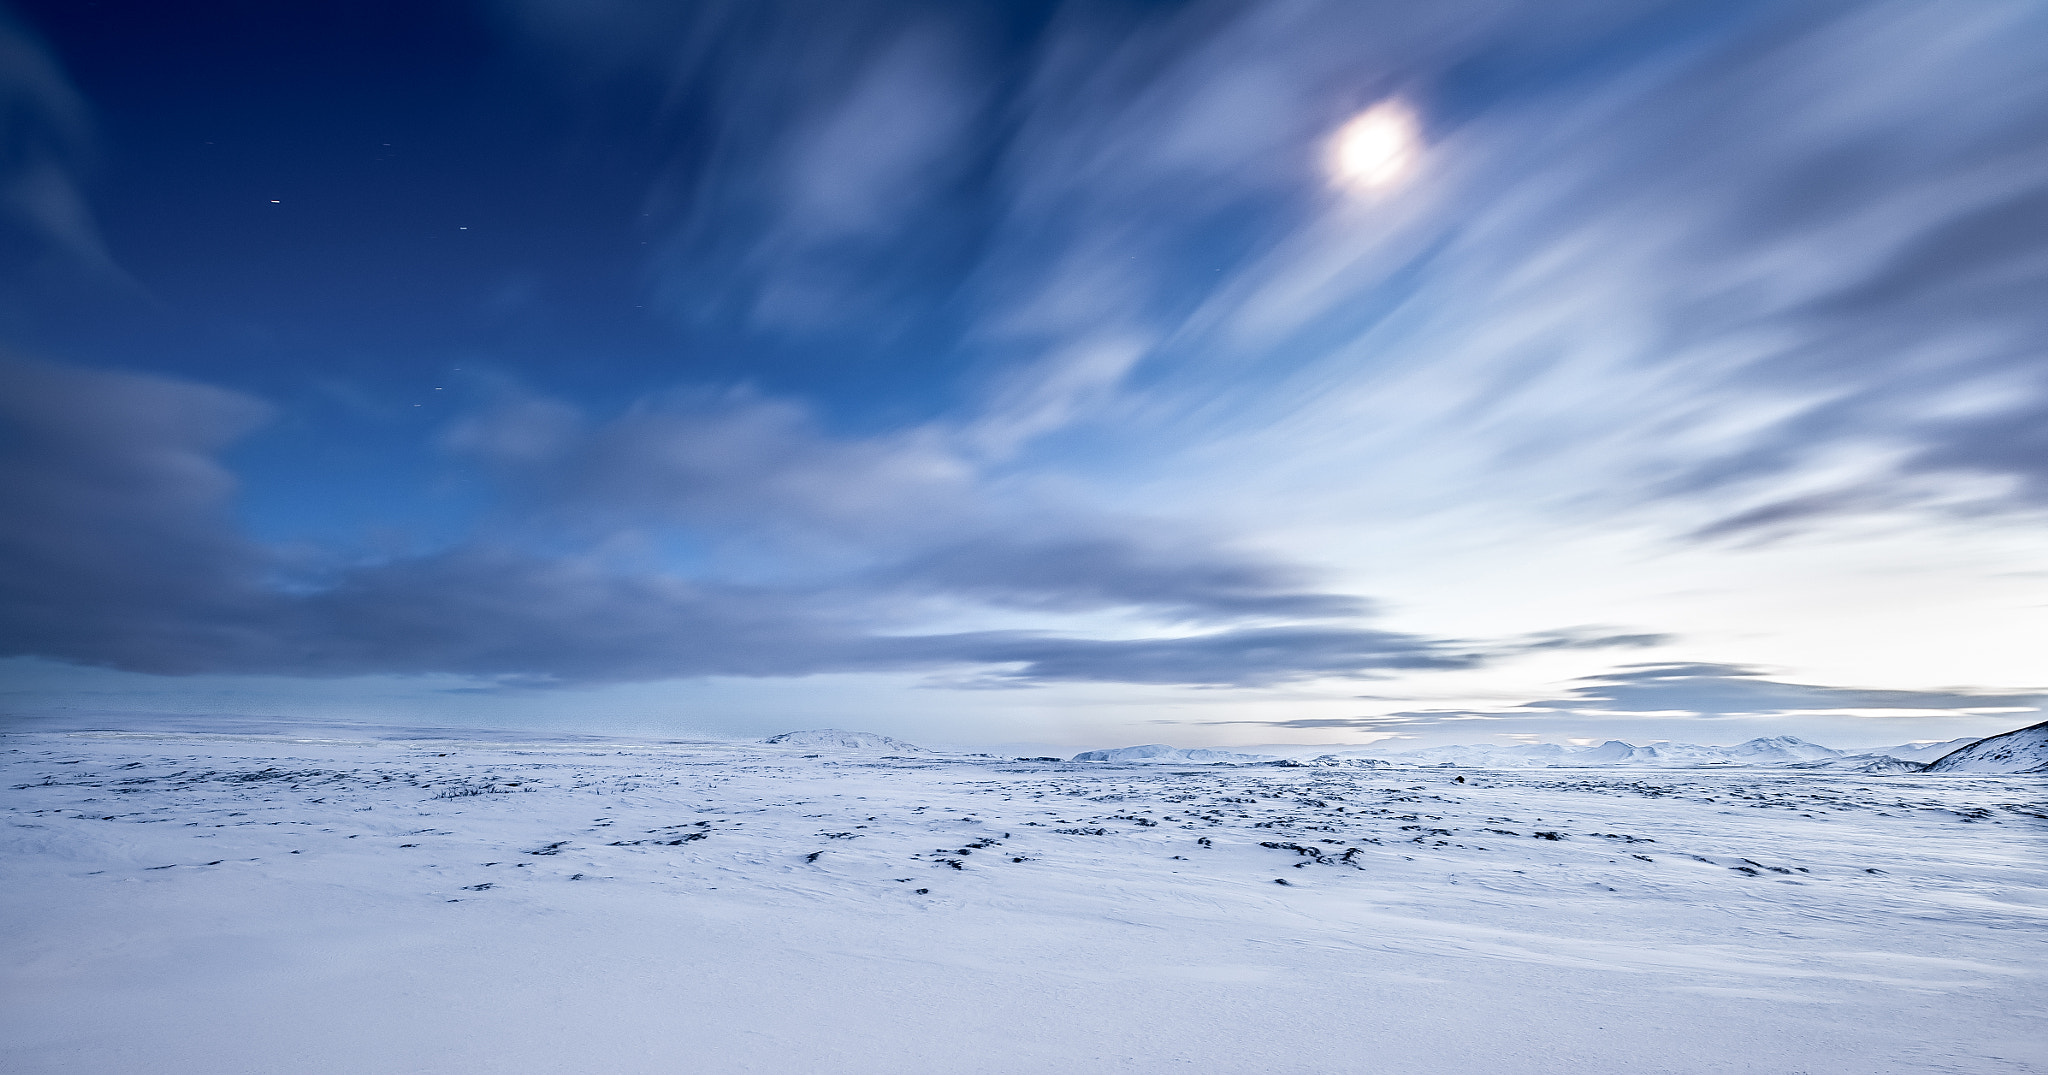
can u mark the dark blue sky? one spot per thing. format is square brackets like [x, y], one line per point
[867, 353]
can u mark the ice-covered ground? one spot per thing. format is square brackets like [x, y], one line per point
[183, 903]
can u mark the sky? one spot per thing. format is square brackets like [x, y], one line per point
[1029, 374]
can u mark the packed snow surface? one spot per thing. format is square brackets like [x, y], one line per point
[179, 903]
[834, 739]
[2021, 751]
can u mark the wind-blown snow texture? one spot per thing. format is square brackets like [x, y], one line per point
[183, 903]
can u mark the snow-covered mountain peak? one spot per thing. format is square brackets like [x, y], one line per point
[1783, 748]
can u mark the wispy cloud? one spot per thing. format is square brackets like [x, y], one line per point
[46, 221]
[1767, 281]
[1747, 261]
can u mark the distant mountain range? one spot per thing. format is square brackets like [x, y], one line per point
[2024, 750]
[1774, 751]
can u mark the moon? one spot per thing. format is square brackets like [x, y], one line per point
[1378, 148]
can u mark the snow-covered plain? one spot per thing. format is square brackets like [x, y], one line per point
[192, 903]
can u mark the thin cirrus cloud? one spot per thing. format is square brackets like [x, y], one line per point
[1749, 282]
[1721, 264]
[47, 225]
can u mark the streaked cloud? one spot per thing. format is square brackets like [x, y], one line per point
[1676, 693]
[1028, 346]
[46, 221]
[1730, 690]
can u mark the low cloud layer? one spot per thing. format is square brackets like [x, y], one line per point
[1718, 690]
[123, 552]
[1691, 691]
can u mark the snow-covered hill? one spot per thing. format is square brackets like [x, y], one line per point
[834, 739]
[1781, 749]
[1926, 752]
[1333, 761]
[1162, 754]
[1865, 763]
[2021, 751]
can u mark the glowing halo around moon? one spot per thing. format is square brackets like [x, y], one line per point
[1378, 148]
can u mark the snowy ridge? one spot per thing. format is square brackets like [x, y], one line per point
[835, 739]
[1926, 752]
[2024, 750]
[1866, 763]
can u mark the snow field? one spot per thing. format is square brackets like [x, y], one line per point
[227, 904]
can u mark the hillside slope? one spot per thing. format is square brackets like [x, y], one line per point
[2022, 751]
